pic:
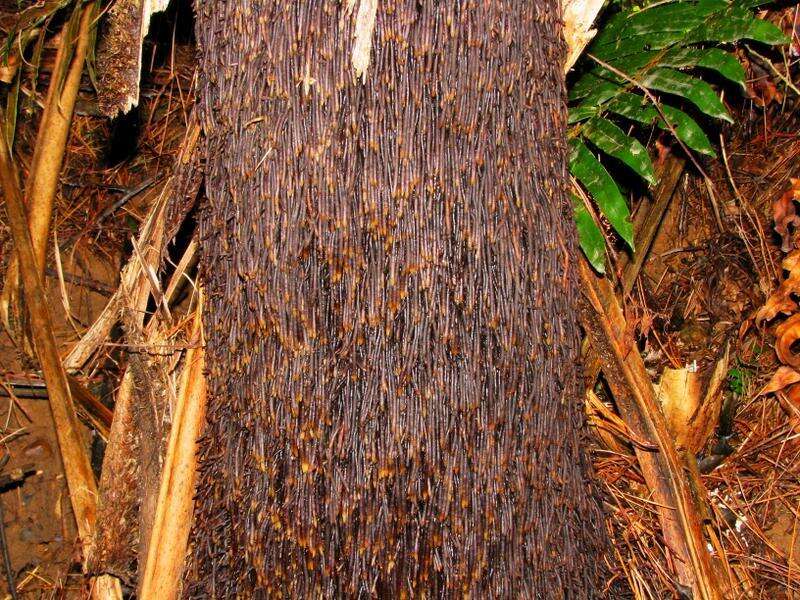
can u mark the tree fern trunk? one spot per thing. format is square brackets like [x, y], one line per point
[392, 341]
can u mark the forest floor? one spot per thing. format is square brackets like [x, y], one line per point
[715, 262]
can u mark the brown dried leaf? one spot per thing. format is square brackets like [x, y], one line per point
[764, 92]
[788, 333]
[781, 301]
[793, 395]
[783, 377]
[785, 214]
[790, 401]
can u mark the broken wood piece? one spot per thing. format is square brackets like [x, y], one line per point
[608, 427]
[170, 534]
[663, 470]
[692, 403]
[96, 414]
[579, 16]
[362, 37]
[152, 279]
[106, 587]
[120, 55]
[179, 277]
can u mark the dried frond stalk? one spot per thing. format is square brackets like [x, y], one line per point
[675, 495]
[48, 157]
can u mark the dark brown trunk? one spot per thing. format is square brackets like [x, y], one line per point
[392, 341]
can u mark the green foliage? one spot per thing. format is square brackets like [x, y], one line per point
[590, 237]
[594, 177]
[739, 378]
[644, 69]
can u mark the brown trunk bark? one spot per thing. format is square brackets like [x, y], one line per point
[393, 404]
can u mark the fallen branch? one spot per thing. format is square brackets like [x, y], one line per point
[645, 225]
[663, 470]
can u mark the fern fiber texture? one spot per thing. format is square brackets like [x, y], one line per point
[392, 341]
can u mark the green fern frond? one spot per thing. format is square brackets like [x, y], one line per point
[602, 187]
[640, 55]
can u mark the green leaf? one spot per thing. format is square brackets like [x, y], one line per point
[613, 141]
[591, 105]
[639, 109]
[736, 23]
[652, 47]
[683, 23]
[582, 112]
[659, 26]
[697, 91]
[590, 237]
[596, 84]
[766, 33]
[715, 59]
[27, 21]
[753, 3]
[594, 177]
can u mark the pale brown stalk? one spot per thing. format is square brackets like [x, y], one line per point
[48, 156]
[78, 471]
[170, 534]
